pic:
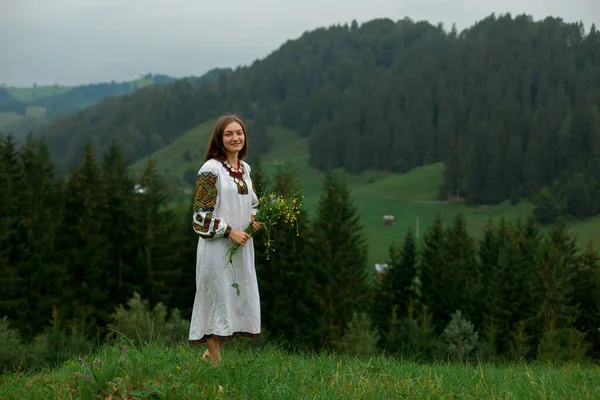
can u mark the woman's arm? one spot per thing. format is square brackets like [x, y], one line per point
[205, 223]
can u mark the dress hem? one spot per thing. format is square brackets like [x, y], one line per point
[204, 338]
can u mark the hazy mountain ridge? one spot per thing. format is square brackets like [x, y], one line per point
[51, 102]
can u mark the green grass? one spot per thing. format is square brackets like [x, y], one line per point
[179, 373]
[39, 92]
[36, 112]
[410, 197]
[8, 118]
[170, 159]
[141, 82]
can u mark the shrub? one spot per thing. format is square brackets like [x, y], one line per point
[459, 338]
[141, 324]
[55, 345]
[564, 344]
[12, 351]
[360, 337]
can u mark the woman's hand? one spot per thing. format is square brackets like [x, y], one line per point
[239, 237]
[256, 225]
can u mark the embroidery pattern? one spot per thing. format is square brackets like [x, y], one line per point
[206, 191]
[202, 226]
[242, 187]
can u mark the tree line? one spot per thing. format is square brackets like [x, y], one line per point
[510, 106]
[72, 250]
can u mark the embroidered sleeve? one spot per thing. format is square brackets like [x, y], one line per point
[205, 223]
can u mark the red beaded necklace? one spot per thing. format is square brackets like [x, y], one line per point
[235, 174]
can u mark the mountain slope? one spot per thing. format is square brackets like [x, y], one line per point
[411, 197]
[9, 104]
[143, 121]
[494, 103]
[84, 95]
[180, 160]
[39, 105]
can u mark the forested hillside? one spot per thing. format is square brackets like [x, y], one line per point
[9, 104]
[84, 95]
[23, 110]
[74, 251]
[510, 105]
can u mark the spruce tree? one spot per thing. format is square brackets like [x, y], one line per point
[485, 291]
[557, 278]
[459, 272]
[87, 249]
[587, 296]
[120, 195]
[382, 294]
[40, 269]
[557, 266]
[12, 295]
[155, 224]
[395, 288]
[339, 245]
[514, 288]
[184, 242]
[431, 266]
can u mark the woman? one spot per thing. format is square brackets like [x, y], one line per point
[224, 204]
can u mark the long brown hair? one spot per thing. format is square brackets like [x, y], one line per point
[216, 149]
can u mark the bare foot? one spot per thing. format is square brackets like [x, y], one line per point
[206, 356]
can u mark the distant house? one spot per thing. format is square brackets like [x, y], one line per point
[382, 268]
[389, 220]
[140, 189]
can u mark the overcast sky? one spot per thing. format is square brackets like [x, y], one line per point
[84, 41]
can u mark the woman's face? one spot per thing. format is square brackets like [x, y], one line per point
[233, 138]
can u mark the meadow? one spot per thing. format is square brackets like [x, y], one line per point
[37, 92]
[8, 118]
[41, 91]
[155, 371]
[410, 197]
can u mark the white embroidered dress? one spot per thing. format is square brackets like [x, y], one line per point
[220, 205]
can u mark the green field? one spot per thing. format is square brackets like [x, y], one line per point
[177, 372]
[410, 197]
[171, 159]
[38, 92]
[8, 118]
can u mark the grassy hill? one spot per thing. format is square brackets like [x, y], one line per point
[8, 118]
[37, 92]
[178, 372]
[12, 123]
[27, 94]
[410, 197]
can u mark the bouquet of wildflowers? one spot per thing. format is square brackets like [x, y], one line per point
[273, 208]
